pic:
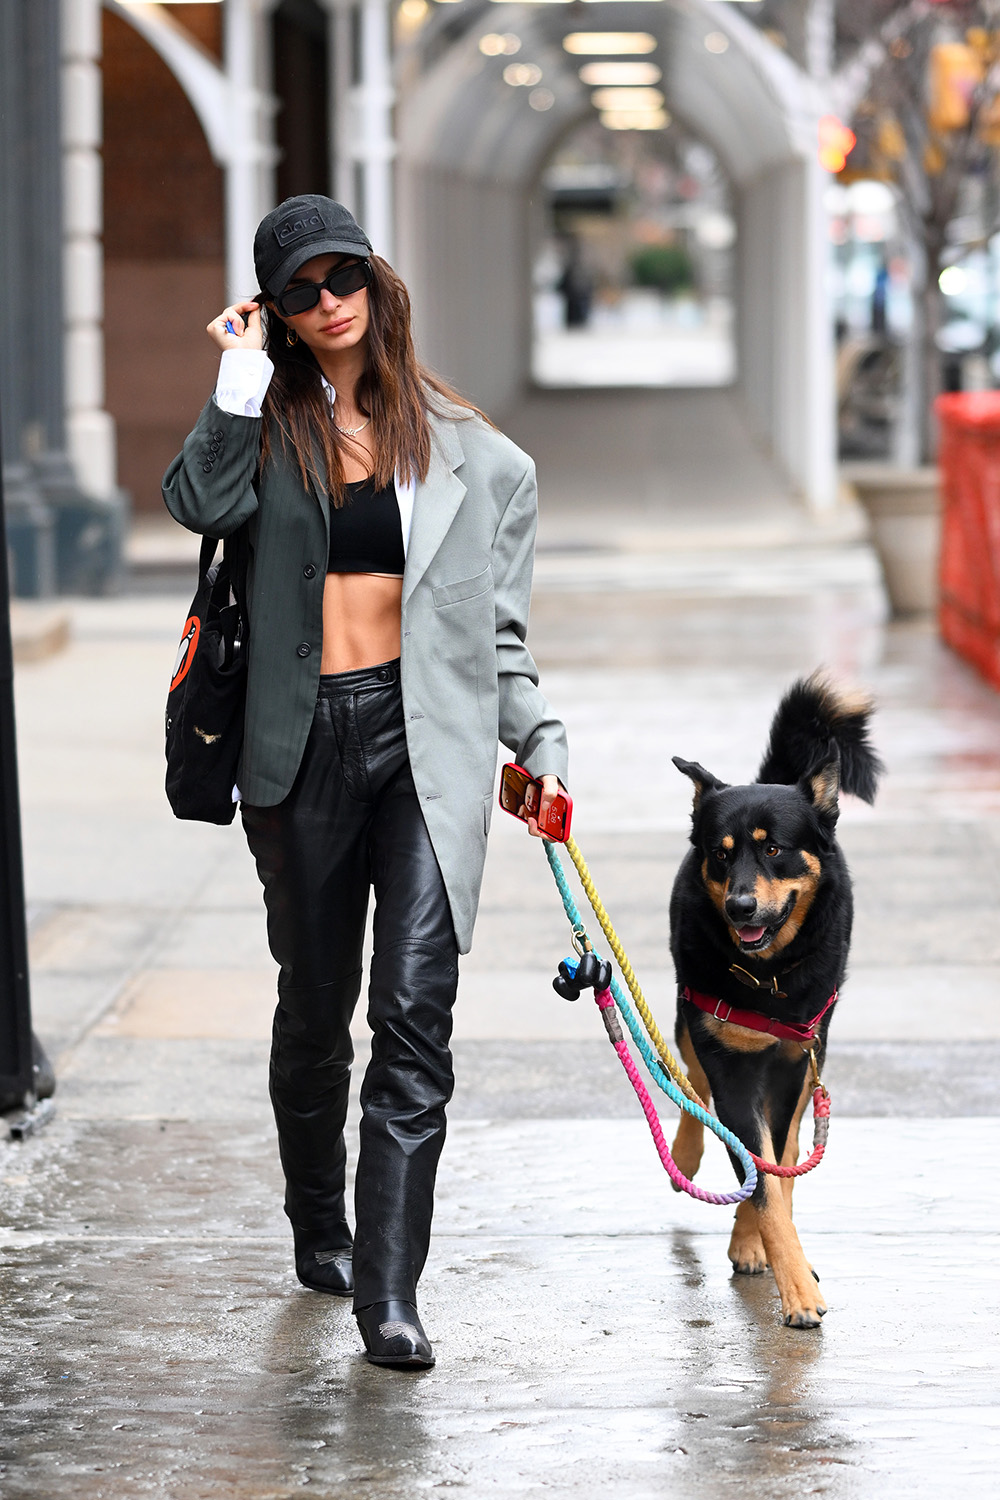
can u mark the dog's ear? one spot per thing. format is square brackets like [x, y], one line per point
[703, 780]
[821, 787]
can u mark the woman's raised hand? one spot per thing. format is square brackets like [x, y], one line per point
[244, 318]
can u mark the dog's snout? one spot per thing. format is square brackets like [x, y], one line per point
[739, 908]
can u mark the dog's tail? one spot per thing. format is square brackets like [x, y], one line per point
[816, 722]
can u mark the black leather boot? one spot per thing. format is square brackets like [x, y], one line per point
[324, 1267]
[394, 1336]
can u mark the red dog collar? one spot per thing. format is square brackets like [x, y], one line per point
[753, 1019]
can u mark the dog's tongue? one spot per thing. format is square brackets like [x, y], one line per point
[751, 934]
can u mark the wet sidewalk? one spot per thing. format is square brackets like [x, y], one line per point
[590, 1337]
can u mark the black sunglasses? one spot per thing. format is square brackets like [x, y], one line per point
[341, 281]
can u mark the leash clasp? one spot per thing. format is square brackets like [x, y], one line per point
[817, 1082]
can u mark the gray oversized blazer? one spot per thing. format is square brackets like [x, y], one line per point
[468, 678]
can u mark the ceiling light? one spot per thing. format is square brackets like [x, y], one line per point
[619, 99]
[522, 75]
[413, 11]
[629, 119]
[607, 43]
[495, 45]
[541, 99]
[634, 73]
[717, 41]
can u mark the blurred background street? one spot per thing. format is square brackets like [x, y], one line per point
[710, 263]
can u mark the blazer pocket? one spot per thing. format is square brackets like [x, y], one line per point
[466, 588]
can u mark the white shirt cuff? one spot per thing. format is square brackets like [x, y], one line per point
[244, 376]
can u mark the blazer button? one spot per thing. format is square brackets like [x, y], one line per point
[218, 435]
[308, 571]
[207, 468]
[305, 649]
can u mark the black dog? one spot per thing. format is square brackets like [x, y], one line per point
[760, 921]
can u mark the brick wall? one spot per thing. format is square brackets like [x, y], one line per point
[163, 246]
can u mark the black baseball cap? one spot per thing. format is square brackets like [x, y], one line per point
[297, 230]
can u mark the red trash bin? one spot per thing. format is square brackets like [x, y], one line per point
[969, 456]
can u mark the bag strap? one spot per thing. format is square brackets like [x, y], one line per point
[234, 558]
[209, 546]
[235, 552]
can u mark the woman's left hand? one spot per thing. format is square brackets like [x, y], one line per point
[550, 786]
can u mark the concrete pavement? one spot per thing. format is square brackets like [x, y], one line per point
[591, 1340]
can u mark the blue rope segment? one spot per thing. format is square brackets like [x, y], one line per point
[649, 1057]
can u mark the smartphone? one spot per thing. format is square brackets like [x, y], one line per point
[521, 793]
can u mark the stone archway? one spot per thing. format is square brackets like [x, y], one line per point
[470, 153]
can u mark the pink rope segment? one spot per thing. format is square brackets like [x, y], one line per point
[821, 1130]
[606, 1005]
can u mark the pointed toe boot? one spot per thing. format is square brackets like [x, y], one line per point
[394, 1336]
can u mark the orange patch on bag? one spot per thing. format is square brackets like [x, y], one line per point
[186, 650]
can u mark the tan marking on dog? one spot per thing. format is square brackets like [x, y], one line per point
[739, 1038]
[760, 834]
[689, 1142]
[825, 787]
[811, 863]
[790, 1155]
[772, 896]
[801, 1304]
[727, 841]
[841, 700]
[746, 1248]
[716, 889]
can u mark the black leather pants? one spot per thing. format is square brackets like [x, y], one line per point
[352, 821]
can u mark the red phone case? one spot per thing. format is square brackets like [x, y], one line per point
[560, 814]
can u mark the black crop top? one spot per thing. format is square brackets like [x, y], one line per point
[366, 535]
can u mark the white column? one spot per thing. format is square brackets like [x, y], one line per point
[250, 154]
[818, 395]
[820, 415]
[340, 107]
[90, 430]
[376, 147]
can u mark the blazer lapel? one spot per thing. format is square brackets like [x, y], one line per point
[437, 499]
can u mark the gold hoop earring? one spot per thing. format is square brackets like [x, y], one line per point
[291, 337]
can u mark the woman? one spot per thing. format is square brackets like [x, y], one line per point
[391, 532]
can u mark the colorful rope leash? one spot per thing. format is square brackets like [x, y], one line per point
[671, 1064]
[821, 1130]
[681, 1085]
[685, 1099]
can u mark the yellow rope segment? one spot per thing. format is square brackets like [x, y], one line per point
[628, 973]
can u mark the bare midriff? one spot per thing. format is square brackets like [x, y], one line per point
[361, 620]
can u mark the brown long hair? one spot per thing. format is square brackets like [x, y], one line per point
[395, 392]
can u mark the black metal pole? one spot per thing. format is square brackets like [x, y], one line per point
[16, 1062]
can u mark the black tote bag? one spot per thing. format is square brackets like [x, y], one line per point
[207, 697]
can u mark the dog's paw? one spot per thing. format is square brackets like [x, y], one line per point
[748, 1257]
[805, 1317]
[803, 1312]
[746, 1251]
